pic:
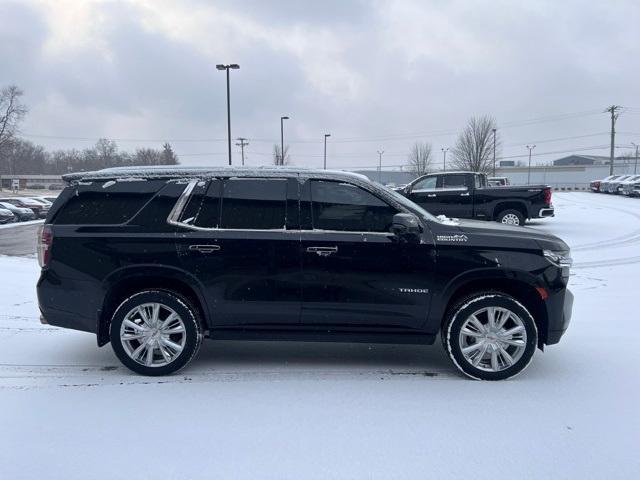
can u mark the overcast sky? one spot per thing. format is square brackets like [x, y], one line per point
[376, 75]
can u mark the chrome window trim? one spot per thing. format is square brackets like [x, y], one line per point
[177, 209]
[174, 215]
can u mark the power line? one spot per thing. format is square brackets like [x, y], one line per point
[390, 137]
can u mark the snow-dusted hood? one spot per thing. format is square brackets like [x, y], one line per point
[493, 234]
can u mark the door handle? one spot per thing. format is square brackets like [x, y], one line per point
[431, 195]
[464, 194]
[204, 248]
[322, 251]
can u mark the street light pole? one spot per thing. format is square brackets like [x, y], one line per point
[325, 149]
[232, 66]
[530, 147]
[635, 167]
[282, 119]
[380, 152]
[494, 152]
[444, 158]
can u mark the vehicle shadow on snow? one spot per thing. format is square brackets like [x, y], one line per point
[320, 355]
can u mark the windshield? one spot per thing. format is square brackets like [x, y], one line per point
[414, 208]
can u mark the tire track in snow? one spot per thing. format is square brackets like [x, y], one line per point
[624, 240]
[25, 377]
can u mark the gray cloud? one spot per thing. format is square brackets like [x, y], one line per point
[370, 72]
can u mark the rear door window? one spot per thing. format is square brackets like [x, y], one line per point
[256, 204]
[455, 181]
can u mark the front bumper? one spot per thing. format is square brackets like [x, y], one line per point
[559, 307]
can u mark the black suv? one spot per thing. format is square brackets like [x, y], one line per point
[155, 259]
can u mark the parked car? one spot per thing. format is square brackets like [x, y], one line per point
[467, 195]
[626, 186]
[615, 186]
[155, 264]
[498, 181]
[41, 200]
[596, 185]
[636, 190]
[49, 199]
[39, 208]
[605, 182]
[22, 214]
[611, 185]
[6, 216]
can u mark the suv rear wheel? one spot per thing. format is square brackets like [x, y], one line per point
[155, 332]
[490, 336]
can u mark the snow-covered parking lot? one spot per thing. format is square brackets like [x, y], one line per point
[320, 411]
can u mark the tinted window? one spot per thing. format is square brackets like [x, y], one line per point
[346, 207]
[203, 207]
[455, 181]
[249, 203]
[428, 183]
[107, 203]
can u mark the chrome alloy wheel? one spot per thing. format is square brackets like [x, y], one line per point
[493, 339]
[510, 219]
[153, 334]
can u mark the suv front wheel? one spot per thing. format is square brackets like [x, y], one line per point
[155, 332]
[490, 336]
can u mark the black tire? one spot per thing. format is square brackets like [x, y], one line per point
[187, 313]
[456, 317]
[510, 217]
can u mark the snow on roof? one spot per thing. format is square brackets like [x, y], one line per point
[175, 172]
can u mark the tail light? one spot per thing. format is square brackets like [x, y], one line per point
[45, 240]
[547, 196]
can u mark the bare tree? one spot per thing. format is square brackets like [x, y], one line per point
[420, 158]
[12, 111]
[168, 155]
[278, 159]
[474, 147]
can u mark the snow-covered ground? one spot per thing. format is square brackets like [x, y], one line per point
[321, 411]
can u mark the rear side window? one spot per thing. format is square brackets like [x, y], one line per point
[106, 203]
[349, 208]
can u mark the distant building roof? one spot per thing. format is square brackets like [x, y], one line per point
[581, 160]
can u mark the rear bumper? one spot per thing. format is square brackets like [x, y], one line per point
[559, 307]
[546, 212]
[67, 303]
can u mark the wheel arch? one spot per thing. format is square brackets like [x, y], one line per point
[519, 284]
[126, 281]
[510, 205]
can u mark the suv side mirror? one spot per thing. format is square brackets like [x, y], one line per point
[406, 224]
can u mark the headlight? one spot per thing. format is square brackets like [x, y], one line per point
[559, 259]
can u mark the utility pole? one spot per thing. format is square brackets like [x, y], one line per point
[282, 119]
[325, 149]
[233, 66]
[613, 110]
[243, 143]
[530, 147]
[380, 152]
[444, 158]
[635, 167]
[494, 152]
